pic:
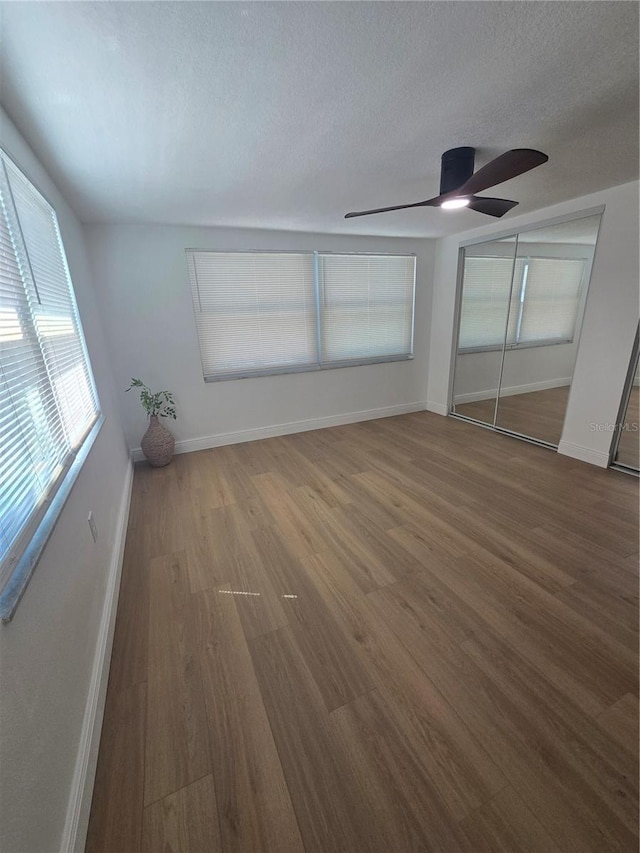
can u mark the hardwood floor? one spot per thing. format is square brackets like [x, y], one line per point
[538, 414]
[404, 635]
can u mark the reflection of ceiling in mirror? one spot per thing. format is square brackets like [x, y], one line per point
[583, 231]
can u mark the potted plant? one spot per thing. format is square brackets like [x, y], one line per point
[157, 443]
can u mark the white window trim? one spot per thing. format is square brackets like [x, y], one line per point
[313, 368]
[45, 521]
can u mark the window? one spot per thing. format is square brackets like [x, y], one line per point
[366, 306]
[544, 303]
[254, 312]
[48, 402]
[259, 313]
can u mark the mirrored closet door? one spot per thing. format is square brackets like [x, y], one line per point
[626, 452]
[521, 308]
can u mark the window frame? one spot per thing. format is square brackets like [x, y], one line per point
[26, 550]
[319, 364]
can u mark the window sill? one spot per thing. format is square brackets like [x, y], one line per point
[23, 570]
[304, 368]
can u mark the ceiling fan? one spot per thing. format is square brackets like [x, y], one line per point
[459, 184]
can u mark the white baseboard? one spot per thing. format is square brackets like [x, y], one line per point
[438, 408]
[511, 391]
[77, 820]
[584, 454]
[205, 442]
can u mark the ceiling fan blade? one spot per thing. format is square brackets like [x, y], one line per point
[491, 206]
[503, 168]
[430, 202]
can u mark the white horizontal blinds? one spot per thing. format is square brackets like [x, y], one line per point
[254, 311]
[54, 314]
[366, 304]
[29, 456]
[551, 301]
[47, 399]
[486, 289]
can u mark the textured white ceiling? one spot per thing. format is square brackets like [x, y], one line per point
[287, 115]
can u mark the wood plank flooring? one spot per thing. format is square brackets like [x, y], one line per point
[406, 635]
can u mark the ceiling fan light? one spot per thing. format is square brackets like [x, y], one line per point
[454, 203]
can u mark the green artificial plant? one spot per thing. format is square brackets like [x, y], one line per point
[159, 405]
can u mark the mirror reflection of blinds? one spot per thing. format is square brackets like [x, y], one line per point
[485, 301]
[277, 312]
[551, 300]
[542, 307]
[47, 397]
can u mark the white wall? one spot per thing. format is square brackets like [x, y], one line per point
[608, 329]
[47, 652]
[143, 289]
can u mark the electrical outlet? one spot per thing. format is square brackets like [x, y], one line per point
[92, 525]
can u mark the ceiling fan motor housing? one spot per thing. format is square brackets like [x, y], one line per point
[457, 167]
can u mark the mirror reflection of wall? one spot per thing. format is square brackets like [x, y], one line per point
[628, 449]
[523, 299]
